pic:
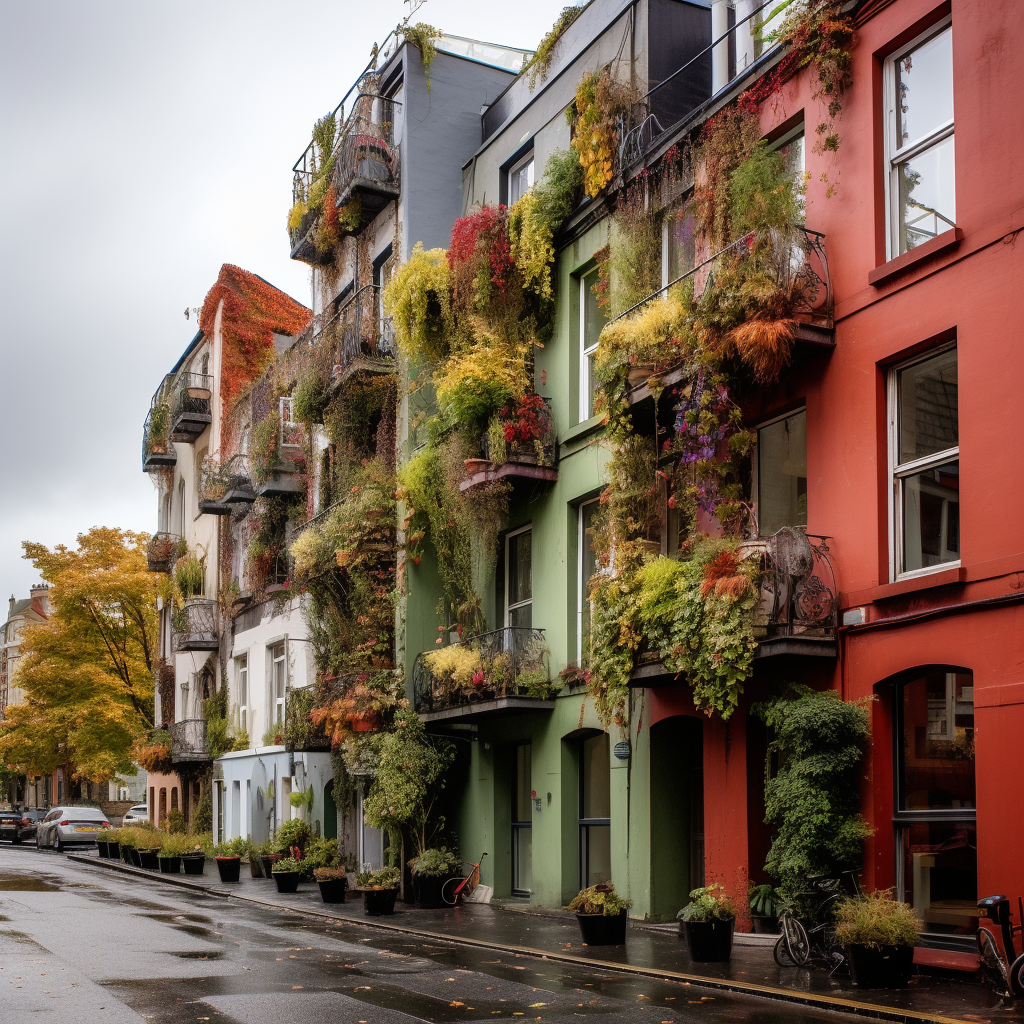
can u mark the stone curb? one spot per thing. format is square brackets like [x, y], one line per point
[818, 1001]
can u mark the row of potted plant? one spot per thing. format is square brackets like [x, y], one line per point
[144, 846]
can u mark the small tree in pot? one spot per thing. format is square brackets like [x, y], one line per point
[601, 915]
[171, 849]
[707, 924]
[764, 908]
[380, 890]
[879, 934]
[430, 870]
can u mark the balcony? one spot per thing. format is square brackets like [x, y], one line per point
[213, 486]
[157, 448]
[360, 337]
[503, 671]
[162, 552]
[196, 626]
[283, 477]
[363, 168]
[524, 448]
[239, 489]
[191, 398]
[188, 740]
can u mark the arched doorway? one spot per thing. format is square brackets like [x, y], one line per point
[677, 813]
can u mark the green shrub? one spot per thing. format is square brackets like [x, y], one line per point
[286, 864]
[175, 844]
[312, 394]
[294, 832]
[436, 863]
[231, 848]
[190, 576]
[321, 853]
[175, 822]
[710, 903]
[876, 919]
[386, 878]
[599, 899]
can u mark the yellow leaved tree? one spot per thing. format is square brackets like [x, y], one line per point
[87, 672]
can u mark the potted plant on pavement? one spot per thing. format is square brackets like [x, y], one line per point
[254, 855]
[109, 840]
[229, 859]
[430, 870]
[320, 853]
[269, 856]
[287, 872]
[171, 849]
[333, 881]
[194, 860]
[707, 924]
[601, 915]
[764, 908]
[878, 933]
[380, 890]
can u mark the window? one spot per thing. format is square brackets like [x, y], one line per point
[935, 817]
[289, 428]
[520, 179]
[919, 140]
[242, 675]
[595, 811]
[279, 680]
[924, 452]
[791, 148]
[782, 474]
[519, 578]
[522, 821]
[586, 566]
[680, 242]
[592, 319]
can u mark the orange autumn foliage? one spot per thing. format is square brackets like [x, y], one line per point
[722, 576]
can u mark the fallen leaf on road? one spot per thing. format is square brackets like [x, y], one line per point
[455, 1002]
[533, 1006]
[294, 987]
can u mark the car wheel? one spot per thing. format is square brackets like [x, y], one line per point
[60, 845]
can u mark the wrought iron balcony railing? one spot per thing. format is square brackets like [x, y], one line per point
[522, 446]
[213, 488]
[157, 447]
[196, 626]
[239, 489]
[359, 335]
[188, 740]
[508, 662]
[191, 406]
[162, 552]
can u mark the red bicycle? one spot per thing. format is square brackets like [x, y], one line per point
[456, 889]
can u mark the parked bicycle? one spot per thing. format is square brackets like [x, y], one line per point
[457, 890]
[1005, 973]
[813, 939]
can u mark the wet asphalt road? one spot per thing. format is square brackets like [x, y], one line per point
[78, 945]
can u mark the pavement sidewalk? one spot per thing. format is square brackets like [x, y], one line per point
[652, 951]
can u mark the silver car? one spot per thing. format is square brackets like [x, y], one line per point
[70, 826]
[140, 812]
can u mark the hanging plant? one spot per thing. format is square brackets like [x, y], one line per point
[600, 104]
[540, 63]
[424, 38]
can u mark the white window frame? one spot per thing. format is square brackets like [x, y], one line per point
[509, 608]
[581, 582]
[278, 703]
[286, 418]
[513, 171]
[897, 155]
[586, 384]
[242, 684]
[899, 471]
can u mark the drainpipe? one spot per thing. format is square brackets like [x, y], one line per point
[720, 54]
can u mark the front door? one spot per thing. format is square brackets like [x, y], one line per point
[522, 822]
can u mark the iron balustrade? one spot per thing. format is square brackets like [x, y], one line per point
[188, 740]
[162, 552]
[512, 662]
[157, 448]
[238, 480]
[196, 626]
[358, 330]
[191, 405]
[213, 482]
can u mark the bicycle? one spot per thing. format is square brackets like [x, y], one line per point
[800, 943]
[456, 889]
[1005, 975]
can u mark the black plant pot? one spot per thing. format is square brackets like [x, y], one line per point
[428, 891]
[267, 861]
[113, 851]
[765, 925]
[332, 890]
[170, 865]
[229, 868]
[378, 902]
[104, 847]
[256, 866]
[149, 859]
[287, 881]
[884, 967]
[135, 857]
[193, 863]
[603, 929]
[709, 942]
[125, 853]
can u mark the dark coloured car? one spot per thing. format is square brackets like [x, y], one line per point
[30, 818]
[10, 822]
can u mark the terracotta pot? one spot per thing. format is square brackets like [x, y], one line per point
[478, 465]
[202, 394]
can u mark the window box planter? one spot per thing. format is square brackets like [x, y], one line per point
[709, 942]
[229, 868]
[170, 865]
[333, 890]
[193, 863]
[268, 860]
[603, 929]
[880, 967]
[256, 866]
[379, 902]
[200, 394]
[287, 881]
[149, 859]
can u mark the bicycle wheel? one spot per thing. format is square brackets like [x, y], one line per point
[1016, 973]
[781, 954]
[798, 945]
[450, 891]
[995, 965]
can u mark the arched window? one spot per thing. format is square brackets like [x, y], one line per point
[934, 806]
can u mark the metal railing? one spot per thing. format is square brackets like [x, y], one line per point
[213, 481]
[798, 586]
[238, 479]
[157, 448]
[508, 662]
[529, 437]
[192, 396]
[188, 740]
[358, 330]
[196, 626]
[162, 552]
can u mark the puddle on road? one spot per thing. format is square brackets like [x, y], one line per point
[25, 883]
[193, 954]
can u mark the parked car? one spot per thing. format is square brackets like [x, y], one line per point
[30, 818]
[140, 812]
[70, 826]
[9, 822]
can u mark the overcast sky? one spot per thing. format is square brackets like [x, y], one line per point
[142, 145]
